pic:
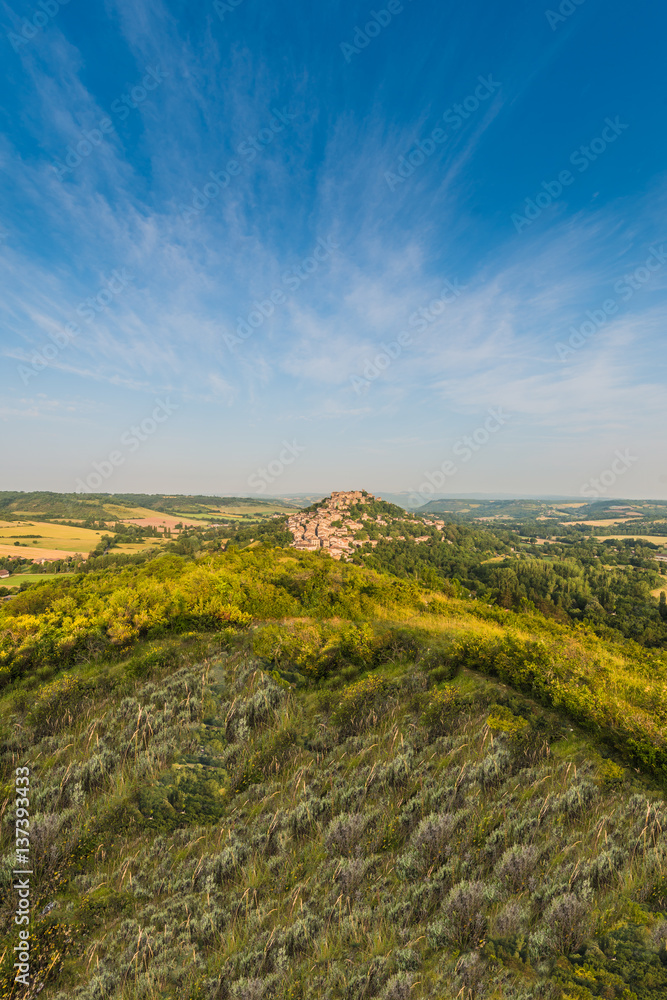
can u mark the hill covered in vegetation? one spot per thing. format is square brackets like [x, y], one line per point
[612, 583]
[262, 773]
[554, 517]
[107, 508]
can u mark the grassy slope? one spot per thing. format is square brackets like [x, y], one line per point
[206, 830]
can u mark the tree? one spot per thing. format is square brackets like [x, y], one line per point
[662, 607]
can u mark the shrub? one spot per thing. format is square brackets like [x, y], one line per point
[516, 865]
[360, 705]
[502, 720]
[492, 770]
[397, 643]
[399, 987]
[510, 921]
[58, 704]
[299, 936]
[432, 837]
[301, 820]
[465, 921]
[579, 798]
[610, 774]
[601, 871]
[439, 713]
[438, 664]
[470, 971]
[567, 922]
[296, 646]
[407, 959]
[228, 862]
[249, 989]
[351, 874]
[151, 662]
[344, 833]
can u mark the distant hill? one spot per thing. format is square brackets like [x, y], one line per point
[643, 513]
[298, 499]
[118, 506]
[203, 506]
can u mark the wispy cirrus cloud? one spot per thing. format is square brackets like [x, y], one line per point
[194, 277]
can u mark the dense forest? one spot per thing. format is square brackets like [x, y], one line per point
[610, 584]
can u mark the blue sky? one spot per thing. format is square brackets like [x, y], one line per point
[219, 224]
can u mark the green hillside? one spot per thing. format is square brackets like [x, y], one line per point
[58, 506]
[109, 507]
[268, 774]
[203, 506]
[556, 517]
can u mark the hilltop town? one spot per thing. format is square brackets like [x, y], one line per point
[339, 524]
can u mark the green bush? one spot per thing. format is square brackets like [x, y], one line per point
[360, 705]
[442, 706]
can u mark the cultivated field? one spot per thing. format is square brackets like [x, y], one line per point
[610, 522]
[146, 518]
[233, 512]
[54, 541]
[163, 521]
[656, 539]
[134, 547]
[18, 578]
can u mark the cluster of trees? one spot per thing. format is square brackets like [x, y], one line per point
[13, 563]
[112, 605]
[17, 564]
[455, 554]
[377, 508]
